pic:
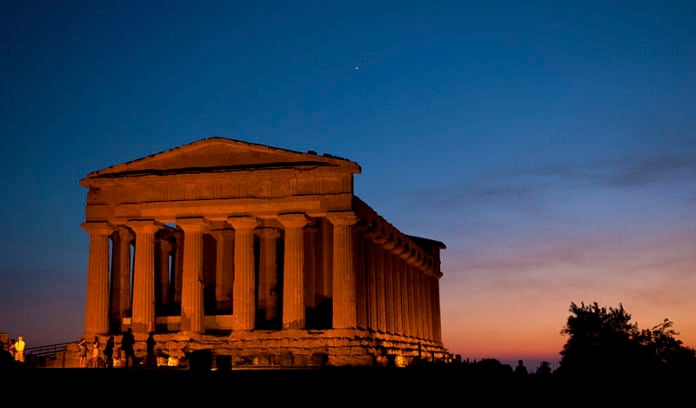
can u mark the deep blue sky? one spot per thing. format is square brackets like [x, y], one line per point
[550, 145]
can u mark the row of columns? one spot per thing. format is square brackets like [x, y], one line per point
[402, 291]
[400, 295]
[243, 288]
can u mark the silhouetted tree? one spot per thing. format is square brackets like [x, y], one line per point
[493, 368]
[605, 342]
[544, 369]
[665, 351]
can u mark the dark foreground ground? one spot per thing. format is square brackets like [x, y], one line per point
[367, 386]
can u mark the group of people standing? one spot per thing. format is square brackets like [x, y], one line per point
[95, 357]
[90, 358]
[16, 349]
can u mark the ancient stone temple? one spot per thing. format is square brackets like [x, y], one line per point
[258, 253]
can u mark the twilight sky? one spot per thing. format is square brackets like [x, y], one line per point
[550, 145]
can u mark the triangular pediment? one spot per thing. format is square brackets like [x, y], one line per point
[220, 154]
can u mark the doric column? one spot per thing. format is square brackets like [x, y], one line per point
[178, 266]
[379, 262]
[344, 307]
[310, 266]
[430, 332]
[97, 310]
[427, 307]
[406, 292]
[162, 295]
[399, 299]
[192, 311]
[325, 255]
[437, 322]
[293, 271]
[121, 274]
[390, 296]
[372, 294]
[224, 268]
[143, 319]
[415, 311]
[421, 316]
[360, 272]
[416, 303]
[405, 300]
[244, 288]
[268, 272]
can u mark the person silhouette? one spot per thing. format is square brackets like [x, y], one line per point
[127, 345]
[186, 350]
[96, 351]
[83, 352]
[12, 349]
[6, 358]
[151, 359]
[521, 370]
[109, 352]
[19, 349]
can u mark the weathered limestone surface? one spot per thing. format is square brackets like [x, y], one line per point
[259, 253]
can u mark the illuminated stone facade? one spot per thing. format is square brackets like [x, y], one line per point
[260, 253]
